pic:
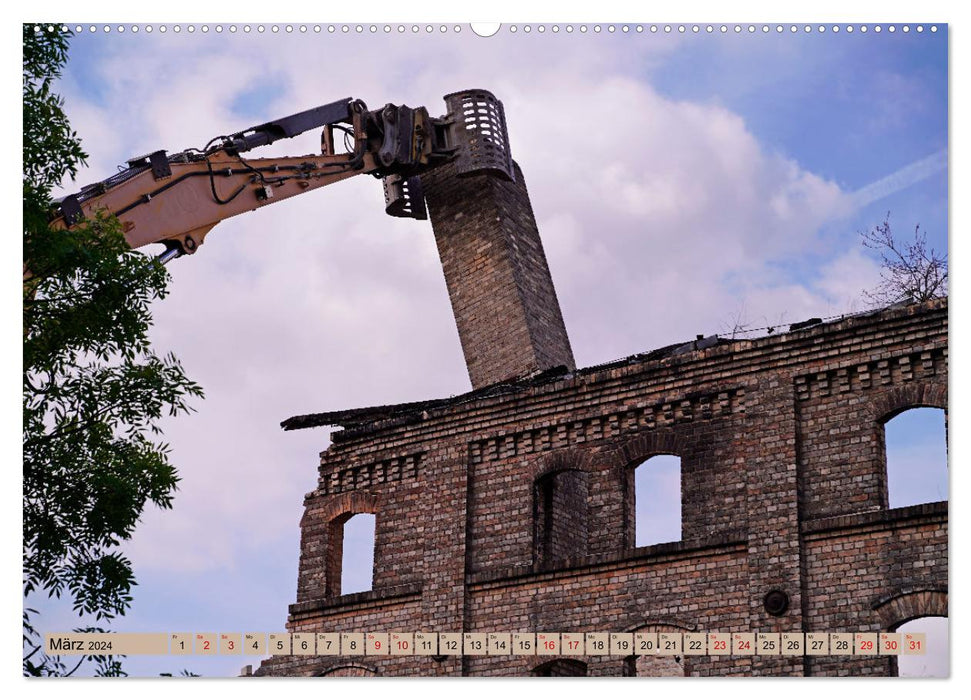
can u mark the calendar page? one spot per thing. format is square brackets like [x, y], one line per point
[455, 350]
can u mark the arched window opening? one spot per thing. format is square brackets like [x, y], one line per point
[350, 554]
[357, 569]
[349, 671]
[934, 662]
[560, 668]
[561, 516]
[657, 501]
[916, 443]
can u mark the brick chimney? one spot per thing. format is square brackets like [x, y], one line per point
[498, 280]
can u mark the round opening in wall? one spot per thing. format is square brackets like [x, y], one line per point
[776, 602]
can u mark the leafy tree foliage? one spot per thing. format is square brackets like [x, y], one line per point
[94, 389]
[911, 271]
[36, 663]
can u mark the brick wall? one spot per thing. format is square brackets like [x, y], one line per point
[860, 567]
[783, 488]
[498, 280]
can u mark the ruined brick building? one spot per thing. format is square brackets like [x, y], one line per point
[511, 508]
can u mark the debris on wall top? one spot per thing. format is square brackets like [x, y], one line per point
[364, 418]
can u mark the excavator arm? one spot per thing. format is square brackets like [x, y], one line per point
[177, 199]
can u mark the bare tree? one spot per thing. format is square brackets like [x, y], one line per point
[736, 323]
[912, 272]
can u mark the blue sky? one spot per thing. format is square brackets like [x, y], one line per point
[717, 170]
[916, 457]
[850, 107]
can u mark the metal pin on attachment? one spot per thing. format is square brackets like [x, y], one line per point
[169, 254]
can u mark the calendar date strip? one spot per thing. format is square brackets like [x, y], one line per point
[734, 644]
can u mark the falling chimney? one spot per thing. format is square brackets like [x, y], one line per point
[498, 280]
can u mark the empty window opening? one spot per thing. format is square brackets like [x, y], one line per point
[657, 501]
[916, 442]
[934, 662]
[357, 561]
[561, 516]
[559, 668]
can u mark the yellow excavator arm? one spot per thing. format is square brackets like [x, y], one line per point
[177, 199]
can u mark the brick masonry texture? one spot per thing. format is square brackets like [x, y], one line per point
[514, 511]
[498, 280]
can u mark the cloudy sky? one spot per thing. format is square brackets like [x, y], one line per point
[682, 184]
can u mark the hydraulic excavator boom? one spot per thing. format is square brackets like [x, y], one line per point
[177, 199]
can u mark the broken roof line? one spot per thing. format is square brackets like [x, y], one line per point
[360, 417]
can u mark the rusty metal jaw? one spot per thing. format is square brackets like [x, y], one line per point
[473, 132]
[479, 134]
[403, 197]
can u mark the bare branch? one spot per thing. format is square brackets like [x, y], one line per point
[910, 272]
